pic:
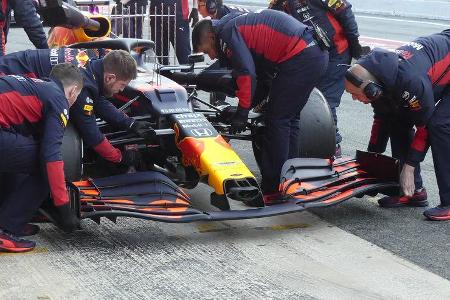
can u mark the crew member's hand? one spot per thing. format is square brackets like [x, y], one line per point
[143, 129]
[239, 121]
[227, 113]
[365, 50]
[67, 219]
[407, 180]
[355, 49]
[193, 16]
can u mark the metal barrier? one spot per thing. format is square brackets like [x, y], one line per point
[137, 20]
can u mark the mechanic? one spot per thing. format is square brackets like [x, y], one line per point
[165, 28]
[33, 116]
[26, 16]
[103, 78]
[413, 81]
[266, 45]
[215, 9]
[336, 30]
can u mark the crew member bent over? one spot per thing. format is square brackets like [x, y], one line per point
[260, 46]
[413, 82]
[33, 116]
[103, 78]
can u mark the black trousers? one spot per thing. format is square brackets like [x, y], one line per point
[332, 84]
[28, 185]
[439, 135]
[288, 95]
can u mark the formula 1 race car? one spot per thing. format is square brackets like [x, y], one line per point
[191, 146]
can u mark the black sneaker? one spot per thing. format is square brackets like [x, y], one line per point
[12, 243]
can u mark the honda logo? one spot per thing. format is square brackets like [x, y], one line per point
[201, 132]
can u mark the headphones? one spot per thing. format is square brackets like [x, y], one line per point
[211, 6]
[372, 90]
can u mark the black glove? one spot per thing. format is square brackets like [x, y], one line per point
[355, 49]
[365, 50]
[131, 158]
[193, 16]
[227, 113]
[62, 216]
[68, 220]
[239, 121]
[143, 129]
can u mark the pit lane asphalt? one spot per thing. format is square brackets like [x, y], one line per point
[402, 231]
[287, 257]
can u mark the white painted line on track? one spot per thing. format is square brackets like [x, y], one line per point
[403, 20]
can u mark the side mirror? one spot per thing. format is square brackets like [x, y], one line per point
[196, 58]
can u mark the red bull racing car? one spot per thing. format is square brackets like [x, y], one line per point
[191, 146]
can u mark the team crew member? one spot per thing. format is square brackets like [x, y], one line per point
[215, 9]
[413, 81]
[26, 16]
[103, 78]
[33, 116]
[336, 29]
[165, 28]
[271, 44]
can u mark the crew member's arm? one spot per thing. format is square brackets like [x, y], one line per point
[184, 9]
[105, 110]
[243, 66]
[25, 15]
[419, 98]
[379, 135]
[55, 121]
[54, 125]
[342, 11]
[83, 117]
[193, 16]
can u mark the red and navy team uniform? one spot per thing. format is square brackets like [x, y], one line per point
[167, 28]
[90, 103]
[336, 18]
[271, 44]
[25, 15]
[416, 79]
[33, 116]
[222, 11]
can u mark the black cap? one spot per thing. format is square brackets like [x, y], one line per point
[382, 64]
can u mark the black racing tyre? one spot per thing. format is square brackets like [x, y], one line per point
[72, 153]
[317, 130]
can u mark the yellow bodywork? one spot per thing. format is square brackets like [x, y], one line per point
[213, 157]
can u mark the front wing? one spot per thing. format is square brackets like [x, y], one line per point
[305, 183]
